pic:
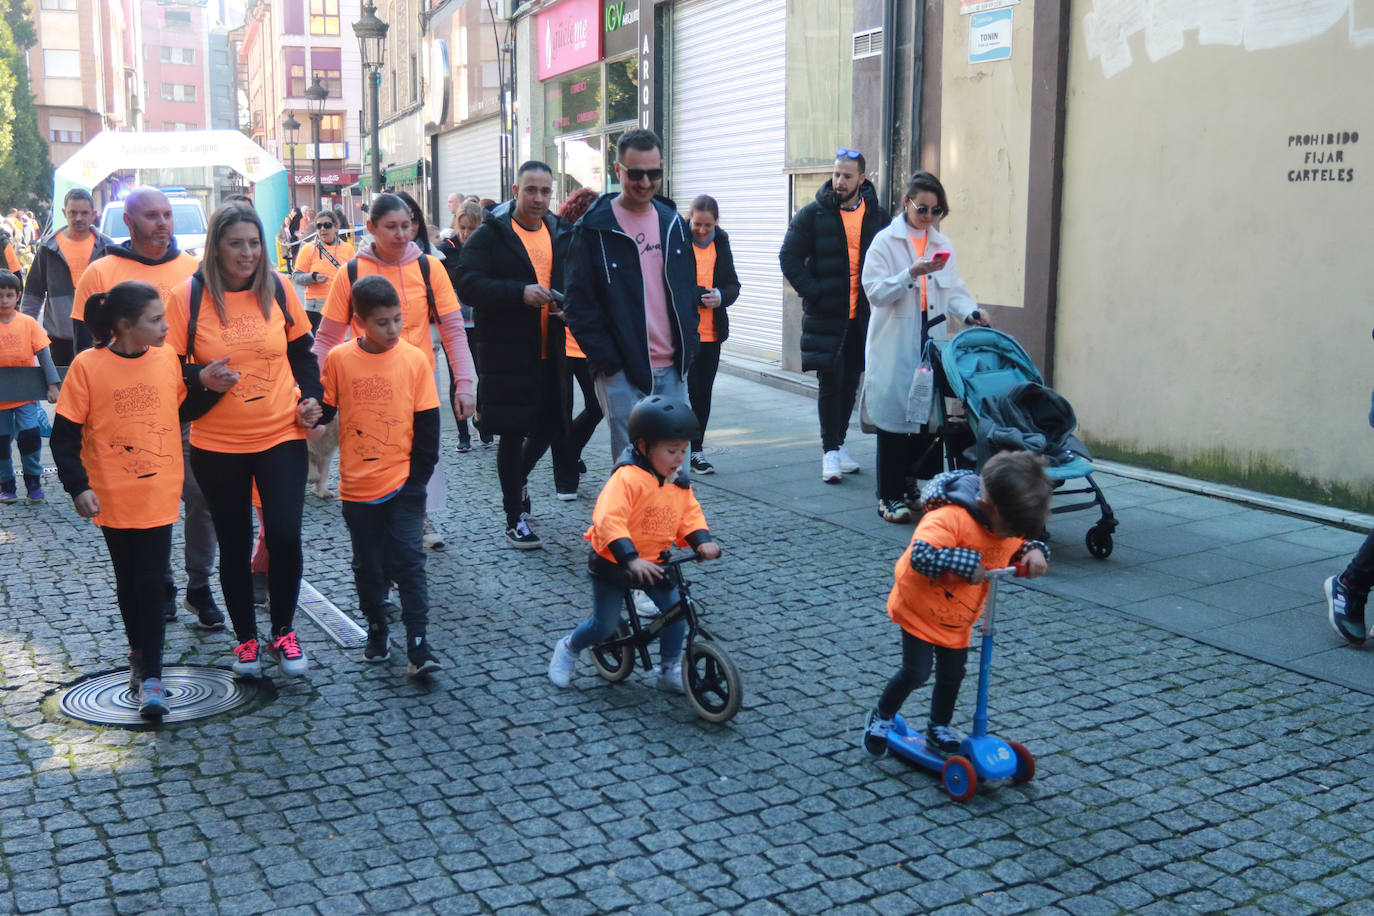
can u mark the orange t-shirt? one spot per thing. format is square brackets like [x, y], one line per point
[634, 505]
[942, 611]
[918, 243]
[260, 411]
[130, 434]
[12, 258]
[378, 395]
[20, 340]
[539, 246]
[77, 255]
[853, 233]
[410, 286]
[311, 261]
[706, 276]
[104, 273]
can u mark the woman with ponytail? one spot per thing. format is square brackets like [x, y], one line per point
[116, 442]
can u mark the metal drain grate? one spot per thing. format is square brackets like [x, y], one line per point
[340, 627]
[192, 693]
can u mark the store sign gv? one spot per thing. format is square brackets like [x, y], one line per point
[569, 36]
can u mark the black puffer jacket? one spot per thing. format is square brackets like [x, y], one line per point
[815, 260]
[493, 271]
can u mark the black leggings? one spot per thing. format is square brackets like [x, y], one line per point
[140, 557]
[701, 378]
[226, 480]
[917, 658]
[897, 453]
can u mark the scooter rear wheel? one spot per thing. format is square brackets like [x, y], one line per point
[714, 688]
[614, 664]
[959, 779]
[1025, 762]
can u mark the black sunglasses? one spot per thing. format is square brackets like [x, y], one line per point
[922, 210]
[324, 225]
[641, 174]
[843, 153]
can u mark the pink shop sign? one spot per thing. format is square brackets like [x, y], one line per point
[569, 36]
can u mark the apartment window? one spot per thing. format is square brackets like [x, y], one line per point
[332, 128]
[327, 64]
[178, 125]
[414, 78]
[59, 4]
[179, 92]
[178, 55]
[293, 17]
[62, 64]
[177, 19]
[295, 72]
[324, 17]
[64, 130]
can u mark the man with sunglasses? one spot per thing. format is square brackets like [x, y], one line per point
[822, 257]
[632, 288]
[318, 262]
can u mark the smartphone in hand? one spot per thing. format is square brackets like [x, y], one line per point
[940, 257]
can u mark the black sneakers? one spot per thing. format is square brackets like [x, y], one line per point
[942, 739]
[522, 538]
[422, 661]
[700, 465]
[201, 602]
[1345, 610]
[377, 650]
[875, 733]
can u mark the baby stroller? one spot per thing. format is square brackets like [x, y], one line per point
[1003, 394]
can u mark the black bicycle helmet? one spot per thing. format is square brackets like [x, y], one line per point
[657, 418]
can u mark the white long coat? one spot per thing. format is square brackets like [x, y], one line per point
[892, 352]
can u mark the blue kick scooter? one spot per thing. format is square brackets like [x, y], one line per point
[981, 757]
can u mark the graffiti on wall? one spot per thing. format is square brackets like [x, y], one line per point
[1255, 25]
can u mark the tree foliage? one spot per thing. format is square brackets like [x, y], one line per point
[25, 167]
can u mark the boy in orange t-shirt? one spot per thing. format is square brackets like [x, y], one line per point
[22, 341]
[383, 389]
[972, 523]
[642, 510]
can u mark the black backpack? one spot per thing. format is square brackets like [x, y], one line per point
[424, 273]
[197, 293]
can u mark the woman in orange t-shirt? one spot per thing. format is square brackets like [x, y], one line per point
[256, 433]
[116, 440]
[718, 288]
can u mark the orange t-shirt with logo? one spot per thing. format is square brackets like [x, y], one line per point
[706, 277]
[130, 434]
[410, 286]
[942, 611]
[853, 234]
[311, 261]
[259, 412]
[20, 341]
[634, 505]
[77, 255]
[378, 395]
[539, 246]
[103, 273]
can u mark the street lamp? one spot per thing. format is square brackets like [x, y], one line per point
[316, 95]
[371, 33]
[291, 125]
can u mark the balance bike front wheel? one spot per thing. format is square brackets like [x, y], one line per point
[614, 663]
[714, 688]
[959, 779]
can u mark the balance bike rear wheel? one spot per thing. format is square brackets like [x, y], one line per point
[714, 688]
[959, 779]
[614, 663]
[1025, 762]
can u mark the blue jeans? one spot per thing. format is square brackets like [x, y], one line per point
[608, 600]
[617, 396]
[21, 424]
[386, 547]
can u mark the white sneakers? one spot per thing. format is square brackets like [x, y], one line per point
[563, 663]
[670, 678]
[837, 462]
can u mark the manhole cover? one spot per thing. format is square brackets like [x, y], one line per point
[192, 693]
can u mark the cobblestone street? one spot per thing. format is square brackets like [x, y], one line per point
[1173, 775]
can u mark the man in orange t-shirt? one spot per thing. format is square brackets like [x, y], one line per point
[58, 266]
[822, 256]
[509, 270]
[151, 256]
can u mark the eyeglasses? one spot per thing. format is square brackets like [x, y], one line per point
[641, 174]
[922, 210]
[843, 153]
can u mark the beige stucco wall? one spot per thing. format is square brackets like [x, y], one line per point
[984, 154]
[1210, 309]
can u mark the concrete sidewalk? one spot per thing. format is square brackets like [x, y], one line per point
[1230, 576]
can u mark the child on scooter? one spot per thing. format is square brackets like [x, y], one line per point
[645, 508]
[972, 523]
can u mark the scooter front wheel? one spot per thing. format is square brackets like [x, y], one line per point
[714, 688]
[614, 663]
[959, 779]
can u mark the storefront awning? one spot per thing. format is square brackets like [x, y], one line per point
[403, 174]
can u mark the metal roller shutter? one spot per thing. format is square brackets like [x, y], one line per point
[470, 161]
[728, 141]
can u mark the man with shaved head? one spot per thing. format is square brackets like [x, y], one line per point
[151, 256]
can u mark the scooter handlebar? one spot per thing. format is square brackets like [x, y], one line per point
[1019, 571]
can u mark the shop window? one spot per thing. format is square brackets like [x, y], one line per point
[572, 102]
[324, 17]
[622, 90]
[820, 70]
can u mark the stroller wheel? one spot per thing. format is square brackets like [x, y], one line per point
[1099, 542]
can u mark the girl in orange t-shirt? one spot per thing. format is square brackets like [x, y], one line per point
[718, 288]
[256, 433]
[22, 341]
[116, 440]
